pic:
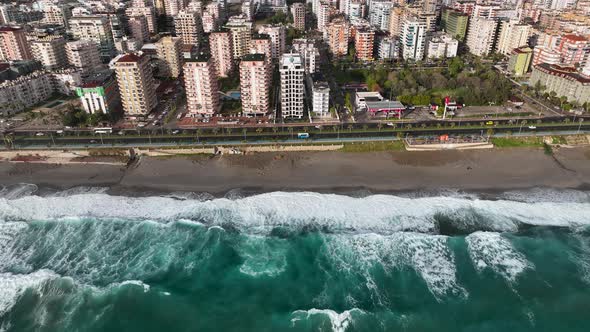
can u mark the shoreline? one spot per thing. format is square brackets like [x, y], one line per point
[349, 173]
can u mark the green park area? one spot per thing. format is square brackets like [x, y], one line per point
[471, 82]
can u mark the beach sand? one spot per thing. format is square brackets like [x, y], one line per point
[470, 170]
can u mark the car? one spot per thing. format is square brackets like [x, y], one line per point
[490, 123]
[39, 134]
[174, 132]
[532, 127]
[121, 132]
[390, 124]
[92, 141]
[59, 132]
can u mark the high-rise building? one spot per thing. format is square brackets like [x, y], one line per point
[388, 48]
[357, 9]
[338, 32]
[169, 50]
[520, 60]
[209, 17]
[431, 6]
[292, 73]
[454, 23]
[202, 91]
[277, 38]
[379, 14]
[441, 45]
[248, 9]
[548, 55]
[83, 54]
[148, 13]
[100, 93]
[565, 81]
[321, 98]
[465, 6]
[364, 39]
[325, 12]
[298, 12]
[136, 84]
[255, 84]
[221, 48]
[14, 45]
[574, 49]
[512, 35]
[50, 51]
[486, 10]
[413, 39]
[95, 28]
[481, 36]
[187, 25]
[138, 28]
[241, 33]
[309, 52]
[261, 44]
[397, 17]
[173, 7]
[57, 14]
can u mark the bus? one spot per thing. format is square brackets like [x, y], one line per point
[303, 135]
[104, 130]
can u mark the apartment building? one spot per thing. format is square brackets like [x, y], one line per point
[84, 55]
[364, 39]
[100, 93]
[138, 28]
[454, 23]
[50, 51]
[201, 85]
[255, 84]
[413, 39]
[97, 29]
[136, 83]
[563, 80]
[14, 45]
[379, 14]
[261, 44]
[309, 52]
[511, 35]
[321, 99]
[338, 34]
[169, 51]
[277, 39]
[292, 71]
[148, 13]
[221, 49]
[441, 45]
[520, 60]
[298, 12]
[481, 35]
[187, 25]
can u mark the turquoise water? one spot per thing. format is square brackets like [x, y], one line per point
[83, 260]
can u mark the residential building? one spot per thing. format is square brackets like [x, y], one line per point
[100, 93]
[173, 7]
[545, 55]
[388, 48]
[481, 36]
[241, 33]
[465, 6]
[298, 12]
[14, 45]
[574, 49]
[138, 28]
[221, 49]
[364, 39]
[187, 25]
[50, 51]
[511, 35]
[338, 34]
[277, 38]
[148, 13]
[379, 14]
[25, 91]
[136, 83]
[486, 10]
[413, 39]
[292, 73]
[57, 14]
[209, 20]
[454, 23]
[97, 29]
[325, 10]
[520, 60]
[202, 90]
[565, 81]
[357, 9]
[261, 44]
[84, 55]
[255, 84]
[321, 99]
[248, 10]
[441, 45]
[169, 51]
[309, 52]
[397, 17]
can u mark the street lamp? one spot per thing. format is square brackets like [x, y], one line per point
[580, 126]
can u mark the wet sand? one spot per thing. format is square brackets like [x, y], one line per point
[472, 170]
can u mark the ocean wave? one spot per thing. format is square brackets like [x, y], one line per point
[493, 251]
[339, 322]
[12, 285]
[382, 214]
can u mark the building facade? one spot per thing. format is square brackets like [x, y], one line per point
[50, 51]
[221, 48]
[338, 34]
[100, 93]
[169, 50]
[255, 84]
[413, 39]
[520, 60]
[481, 36]
[441, 45]
[14, 45]
[298, 12]
[84, 55]
[202, 90]
[565, 81]
[136, 84]
[187, 25]
[292, 73]
[97, 29]
[364, 39]
[277, 39]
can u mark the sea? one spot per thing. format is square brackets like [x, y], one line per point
[87, 259]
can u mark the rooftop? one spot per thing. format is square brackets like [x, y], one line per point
[129, 57]
[385, 104]
[253, 57]
[568, 72]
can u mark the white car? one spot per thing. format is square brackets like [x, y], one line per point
[39, 134]
[532, 127]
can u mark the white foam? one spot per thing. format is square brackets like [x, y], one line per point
[428, 255]
[12, 285]
[382, 214]
[139, 283]
[493, 251]
[18, 190]
[262, 256]
[338, 321]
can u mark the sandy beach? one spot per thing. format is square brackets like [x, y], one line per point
[475, 170]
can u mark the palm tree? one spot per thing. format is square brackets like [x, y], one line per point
[350, 128]
[215, 131]
[379, 126]
[244, 131]
[365, 127]
[259, 130]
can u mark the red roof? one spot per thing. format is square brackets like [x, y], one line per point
[5, 28]
[575, 37]
[130, 57]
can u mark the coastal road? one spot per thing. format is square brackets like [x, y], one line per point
[44, 144]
